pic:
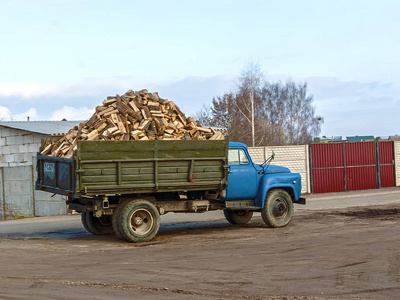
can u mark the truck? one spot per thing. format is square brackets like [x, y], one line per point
[122, 187]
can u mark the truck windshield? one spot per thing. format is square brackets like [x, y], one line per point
[237, 157]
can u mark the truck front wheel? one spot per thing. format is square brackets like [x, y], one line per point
[238, 216]
[98, 226]
[138, 221]
[278, 208]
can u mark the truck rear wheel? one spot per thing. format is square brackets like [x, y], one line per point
[138, 221]
[278, 208]
[238, 216]
[84, 223]
[97, 226]
[116, 221]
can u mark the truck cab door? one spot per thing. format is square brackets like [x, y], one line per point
[242, 176]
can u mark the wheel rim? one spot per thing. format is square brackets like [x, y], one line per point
[241, 213]
[105, 220]
[280, 208]
[141, 221]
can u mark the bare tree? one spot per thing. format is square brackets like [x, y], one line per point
[290, 113]
[250, 84]
[265, 113]
[204, 116]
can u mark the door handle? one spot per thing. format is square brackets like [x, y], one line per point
[230, 172]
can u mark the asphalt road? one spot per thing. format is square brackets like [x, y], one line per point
[338, 246]
[70, 225]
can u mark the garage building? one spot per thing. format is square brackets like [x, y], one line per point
[19, 144]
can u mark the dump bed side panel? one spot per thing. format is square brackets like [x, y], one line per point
[150, 166]
[55, 175]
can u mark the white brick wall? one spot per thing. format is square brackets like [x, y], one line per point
[295, 158]
[27, 139]
[397, 161]
[17, 147]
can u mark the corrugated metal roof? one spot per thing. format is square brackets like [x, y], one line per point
[44, 127]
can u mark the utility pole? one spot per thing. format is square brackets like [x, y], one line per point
[252, 111]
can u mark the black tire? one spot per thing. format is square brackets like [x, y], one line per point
[84, 223]
[138, 220]
[115, 221]
[278, 209]
[238, 216]
[97, 226]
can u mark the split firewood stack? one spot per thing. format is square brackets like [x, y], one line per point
[133, 116]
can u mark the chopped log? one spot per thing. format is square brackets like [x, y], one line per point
[147, 114]
[122, 107]
[217, 136]
[102, 127]
[46, 150]
[144, 124]
[154, 97]
[132, 116]
[100, 108]
[208, 130]
[121, 127]
[134, 107]
[151, 103]
[164, 122]
[114, 111]
[109, 101]
[106, 110]
[158, 115]
[93, 135]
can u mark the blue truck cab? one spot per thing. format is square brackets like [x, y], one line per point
[266, 188]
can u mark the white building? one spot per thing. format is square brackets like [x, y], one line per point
[19, 144]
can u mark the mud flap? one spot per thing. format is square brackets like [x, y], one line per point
[300, 201]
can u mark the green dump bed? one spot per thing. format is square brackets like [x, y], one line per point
[124, 167]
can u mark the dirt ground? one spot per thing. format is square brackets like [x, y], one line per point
[351, 253]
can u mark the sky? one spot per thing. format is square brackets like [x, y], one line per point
[60, 59]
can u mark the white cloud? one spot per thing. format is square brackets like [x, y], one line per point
[31, 113]
[5, 114]
[88, 87]
[26, 89]
[71, 113]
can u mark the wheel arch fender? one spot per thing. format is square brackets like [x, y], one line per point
[273, 181]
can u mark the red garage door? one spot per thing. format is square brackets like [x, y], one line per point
[327, 162]
[386, 164]
[360, 166]
[339, 167]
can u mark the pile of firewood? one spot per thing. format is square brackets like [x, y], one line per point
[133, 116]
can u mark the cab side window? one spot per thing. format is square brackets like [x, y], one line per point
[237, 157]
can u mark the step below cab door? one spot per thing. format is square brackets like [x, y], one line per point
[242, 176]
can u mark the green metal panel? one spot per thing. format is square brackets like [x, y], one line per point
[120, 167]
